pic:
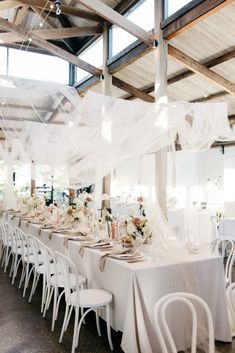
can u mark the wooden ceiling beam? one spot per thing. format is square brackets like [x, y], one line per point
[23, 107]
[114, 17]
[22, 119]
[132, 90]
[65, 9]
[208, 63]
[57, 33]
[209, 97]
[43, 17]
[8, 4]
[201, 70]
[125, 5]
[42, 43]
[191, 14]
[21, 15]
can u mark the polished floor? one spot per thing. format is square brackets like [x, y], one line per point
[23, 330]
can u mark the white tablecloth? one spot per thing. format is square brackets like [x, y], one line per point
[137, 287]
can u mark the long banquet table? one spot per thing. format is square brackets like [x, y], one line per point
[136, 288]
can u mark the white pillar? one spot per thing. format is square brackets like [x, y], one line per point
[160, 96]
[107, 90]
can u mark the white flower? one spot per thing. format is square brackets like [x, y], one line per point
[147, 231]
[105, 197]
[130, 228]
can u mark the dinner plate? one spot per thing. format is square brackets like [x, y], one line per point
[127, 256]
[80, 237]
[104, 245]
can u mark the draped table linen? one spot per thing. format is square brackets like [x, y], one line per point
[136, 288]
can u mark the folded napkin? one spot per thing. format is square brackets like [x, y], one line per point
[71, 236]
[114, 252]
[81, 250]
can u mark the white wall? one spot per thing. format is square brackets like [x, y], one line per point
[135, 177]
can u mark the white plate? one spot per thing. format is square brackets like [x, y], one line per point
[105, 245]
[127, 256]
[80, 238]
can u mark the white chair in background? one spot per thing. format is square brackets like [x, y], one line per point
[8, 231]
[230, 293]
[226, 248]
[5, 242]
[19, 249]
[215, 226]
[162, 329]
[90, 299]
[43, 263]
[55, 281]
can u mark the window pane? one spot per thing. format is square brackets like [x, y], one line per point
[3, 61]
[92, 55]
[173, 6]
[38, 66]
[143, 16]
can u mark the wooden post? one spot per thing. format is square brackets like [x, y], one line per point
[160, 96]
[107, 90]
[33, 184]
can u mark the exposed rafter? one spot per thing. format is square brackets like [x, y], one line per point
[132, 90]
[44, 17]
[38, 41]
[57, 33]
[114, 17]
[65, 9]
[189, 15]
[209, 97]
[7, 4]
[21, 119]
[208, 63]
[201, 70]
[21, 15]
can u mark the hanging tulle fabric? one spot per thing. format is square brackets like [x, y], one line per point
[86, 137]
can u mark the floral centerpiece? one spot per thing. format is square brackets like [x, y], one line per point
[137, 229]
[32, 206]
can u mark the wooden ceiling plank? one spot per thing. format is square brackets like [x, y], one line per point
[114, 17]
[208, 63]
[21, 15]
[185, 19]
[65, 9]
[21, 119]
[7, 4]
[210, 97]
[42, 43]
[201, 70]
[57, 33]
[132, 90]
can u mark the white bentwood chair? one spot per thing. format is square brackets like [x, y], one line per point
[89, 299]
[225, 246]
[230, 293]
[162, 329]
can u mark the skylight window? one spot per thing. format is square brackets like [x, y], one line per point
[92, 55]
[38, 66]
[173, 6]
[143, 16]
[3, 61]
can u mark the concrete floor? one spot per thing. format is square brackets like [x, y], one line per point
[23, 330]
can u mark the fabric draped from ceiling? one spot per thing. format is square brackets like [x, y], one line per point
[98, 131]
